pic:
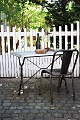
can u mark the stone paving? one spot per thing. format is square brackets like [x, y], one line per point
[32, 106]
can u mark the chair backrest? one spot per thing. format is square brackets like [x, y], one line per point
[66, 59]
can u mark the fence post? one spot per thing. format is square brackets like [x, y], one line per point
[60, 38]
[66, 43]
[71, 36]
[54, 35]
[3, 52]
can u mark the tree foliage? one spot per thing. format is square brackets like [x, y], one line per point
[62, 12]
[23, 13]
[28, 13]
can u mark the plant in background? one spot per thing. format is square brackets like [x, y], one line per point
[23, 13]
[62, 12]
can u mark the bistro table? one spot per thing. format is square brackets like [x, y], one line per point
[29, 54]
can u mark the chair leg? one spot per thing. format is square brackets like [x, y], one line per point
[59, 83]
[40, 90]
[51, 93]
[66, 85]
[73, 88]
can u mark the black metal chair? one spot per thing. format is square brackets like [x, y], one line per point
[66, 56]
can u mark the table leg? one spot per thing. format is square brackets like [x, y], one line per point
[21, 86]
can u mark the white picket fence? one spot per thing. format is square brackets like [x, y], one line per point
[19, 41]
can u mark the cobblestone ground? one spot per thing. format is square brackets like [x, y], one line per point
[32, 106]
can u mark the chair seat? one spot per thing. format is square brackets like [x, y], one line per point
[55, 72]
